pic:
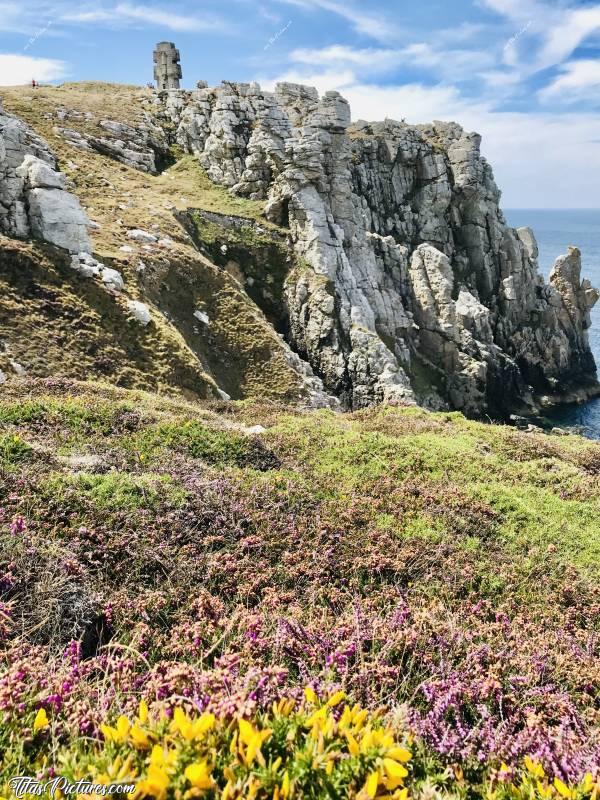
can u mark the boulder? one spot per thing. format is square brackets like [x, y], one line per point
[113, 279]
[57, 217]
[37, 174]
[140, 312]
[33, 198]
[141, 236]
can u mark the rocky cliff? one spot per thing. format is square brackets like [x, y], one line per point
[402, 281]
[410, 284]
[33, 200]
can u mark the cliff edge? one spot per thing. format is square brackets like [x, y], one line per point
[373, 256]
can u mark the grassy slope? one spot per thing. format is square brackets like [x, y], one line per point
[442, 568]
[410, 558]
[239, 343]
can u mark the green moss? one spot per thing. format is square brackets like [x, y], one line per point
[259, 255]
[470, 480]
[115, 491]
[199, 441]
[422, 527]
[535, 518]
[19, 413]
[210, 196]
[13, 450]
[78, 414]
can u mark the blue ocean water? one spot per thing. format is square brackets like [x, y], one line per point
[555, 230]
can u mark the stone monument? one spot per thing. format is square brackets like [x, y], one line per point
[167, 69]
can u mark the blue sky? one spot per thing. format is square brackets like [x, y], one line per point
[523, 73]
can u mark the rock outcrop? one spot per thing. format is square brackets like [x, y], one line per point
[395, 279]
[142, 147]
[409, 284]
[34, 201]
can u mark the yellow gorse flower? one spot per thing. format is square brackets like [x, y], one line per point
[544, 790]
[143, 712]
[191, 729]
[253, 739]
[119, 733]
[371, 784]
[394, 770]
[564, 790]
[41, 720]
[353, 747]
[534, 767]
[160, 758]
[591, 786]
[198, 774]
[310, 695]
[155, 784]
[400, 754]
[139, 737]
[336, 699]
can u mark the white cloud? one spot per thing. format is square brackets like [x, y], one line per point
[9, 17]
[344, 54]
[124, 13]
[579, 80]
[539, 159]
[23, 19]
[375, 26]
[455, 64]
[519, 11]
[465, 32]
[570, 31]
[19, 69]
[544, 35]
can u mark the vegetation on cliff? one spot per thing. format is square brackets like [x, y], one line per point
[246, 563]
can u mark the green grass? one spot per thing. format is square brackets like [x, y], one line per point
[537, 486]
[535, 518]
[13, 450]
[199, 441]
[115, 491]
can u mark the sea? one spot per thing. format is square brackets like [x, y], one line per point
[555, 230]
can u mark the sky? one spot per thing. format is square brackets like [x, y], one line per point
[523, 73]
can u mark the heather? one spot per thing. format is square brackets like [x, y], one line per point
[440, 573]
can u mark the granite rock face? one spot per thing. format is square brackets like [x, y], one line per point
[409, 286]
[142, 147]
[33, 198]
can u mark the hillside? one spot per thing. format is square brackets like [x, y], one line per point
[277, 250]
[236, 350]
[228, 555]
[255, 539]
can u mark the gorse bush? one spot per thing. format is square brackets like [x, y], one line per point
[314, 749]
